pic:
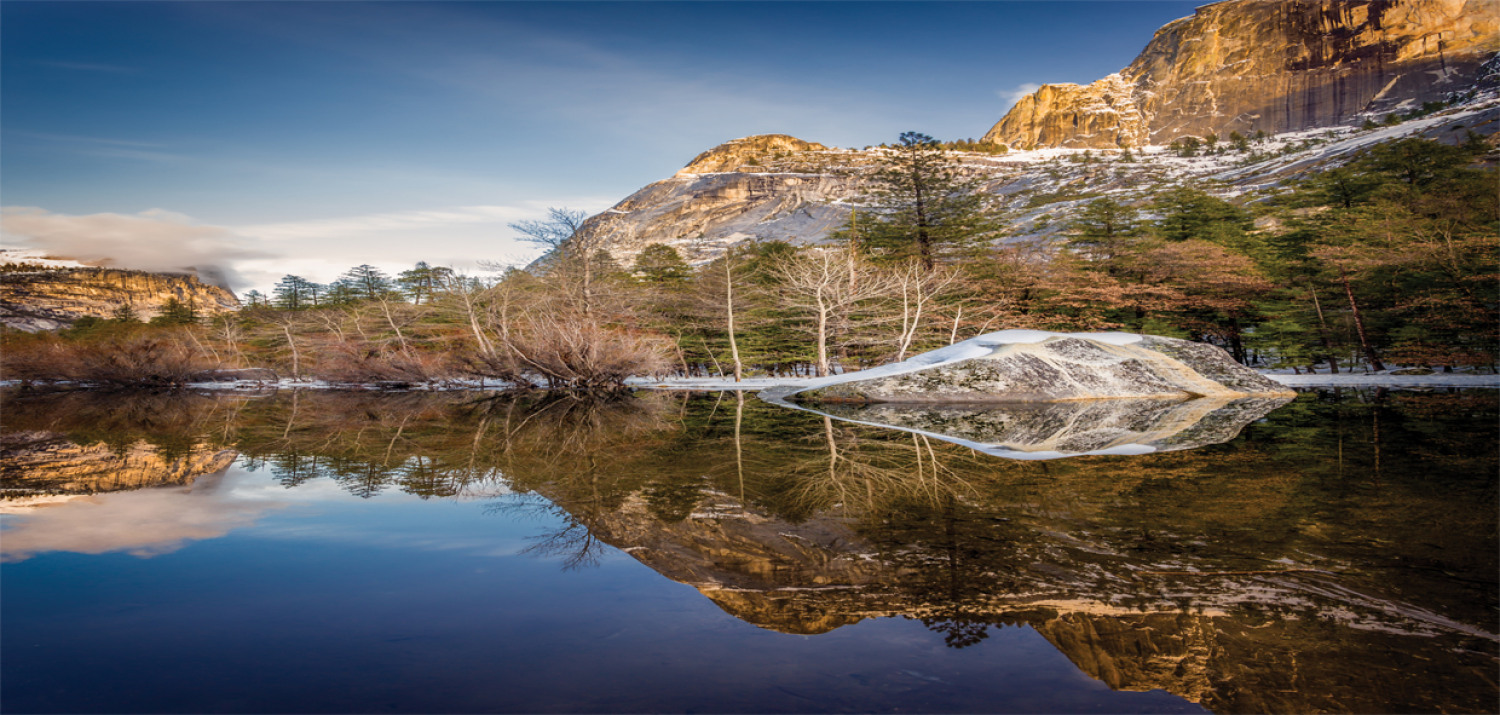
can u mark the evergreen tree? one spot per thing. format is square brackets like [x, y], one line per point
[661, 265]
[294, 293]
[366, 282]
[925, 205]
[422, 281]
[124, 313]
[1188, 213]
[1104, 230]
[176, 312]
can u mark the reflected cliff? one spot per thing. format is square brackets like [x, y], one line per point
[1337, 555]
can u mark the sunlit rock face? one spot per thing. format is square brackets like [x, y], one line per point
[1248, 65]
[1037, 366]
[766, 187]
[1053, 430]
[51, 299]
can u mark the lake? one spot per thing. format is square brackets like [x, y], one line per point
[326, 551]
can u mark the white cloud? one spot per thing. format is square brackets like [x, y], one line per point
[258, 255]
[351, 227]
[1015, 95]
[152, 240]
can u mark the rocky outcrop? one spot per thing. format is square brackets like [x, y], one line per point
[33, 300]
[1038, 366]
[748, 153]
[770, 187]
[1250, 65]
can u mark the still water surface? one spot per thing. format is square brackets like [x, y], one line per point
[358, 552]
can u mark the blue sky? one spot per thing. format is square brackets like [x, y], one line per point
[272, 137]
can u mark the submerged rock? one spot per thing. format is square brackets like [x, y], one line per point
[1040, 366]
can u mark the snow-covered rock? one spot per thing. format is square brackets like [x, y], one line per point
[1041, 366]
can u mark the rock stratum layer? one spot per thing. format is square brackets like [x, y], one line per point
[1252, 65]
[33, 300]
[1038, 366]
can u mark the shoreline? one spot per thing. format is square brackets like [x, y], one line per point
[757, 384]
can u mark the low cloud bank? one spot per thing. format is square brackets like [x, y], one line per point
[153, 240]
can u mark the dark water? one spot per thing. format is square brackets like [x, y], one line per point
[357, 552]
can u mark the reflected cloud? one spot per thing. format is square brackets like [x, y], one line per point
[143, 523]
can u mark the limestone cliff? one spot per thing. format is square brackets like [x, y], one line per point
[51, 298]
[1251, 65]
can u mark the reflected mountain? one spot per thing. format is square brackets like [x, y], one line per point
[1053, 430]
[1338, 555]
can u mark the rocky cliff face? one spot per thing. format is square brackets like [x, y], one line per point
[770, 187]
[48, 299]
[1249, 65]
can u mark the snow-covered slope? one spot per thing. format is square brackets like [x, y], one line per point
[780, 188]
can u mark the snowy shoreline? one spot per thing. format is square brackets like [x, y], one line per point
[756, 384]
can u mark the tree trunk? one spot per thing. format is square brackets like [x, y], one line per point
[734, 348]
[1359, 325]
[296, 360]
[1333, 363]
[822, 370]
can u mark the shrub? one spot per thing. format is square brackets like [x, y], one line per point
[576, 352]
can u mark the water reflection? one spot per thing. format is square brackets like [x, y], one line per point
[1064, 429]
[1339, 555]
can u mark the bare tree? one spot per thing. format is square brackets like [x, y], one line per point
[918, 287]
[827, 284]
[573, 248]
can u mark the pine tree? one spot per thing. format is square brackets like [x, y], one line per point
[925, 205]
[176, 312]
[661, 265]
[366, 282]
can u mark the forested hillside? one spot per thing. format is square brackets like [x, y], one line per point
[1390, 260]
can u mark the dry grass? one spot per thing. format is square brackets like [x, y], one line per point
[139, 359]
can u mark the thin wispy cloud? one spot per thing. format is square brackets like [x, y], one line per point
[1013, 96]
[73, 138]
[133, 154]
[356, 226]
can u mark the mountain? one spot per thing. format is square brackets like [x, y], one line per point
[1250, 65]
[775, 187]
[40, 295]
[1303, 72]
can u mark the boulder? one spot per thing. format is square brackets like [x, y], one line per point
[1040, 366]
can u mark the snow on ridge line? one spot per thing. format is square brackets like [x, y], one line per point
[975, 347]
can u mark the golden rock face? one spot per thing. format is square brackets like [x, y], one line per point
[44, 300]
[745, 153]
[1247, 66]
